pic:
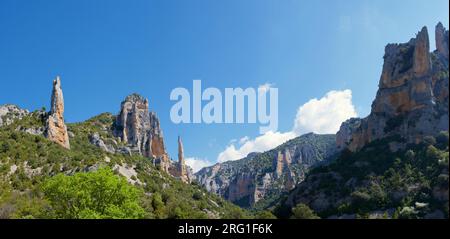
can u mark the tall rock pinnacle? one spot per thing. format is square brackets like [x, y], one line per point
[56, 129]
[422, 59]
[181, 165]
[442, 40]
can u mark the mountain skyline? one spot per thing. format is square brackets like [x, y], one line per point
[102, 58]
[146, 110]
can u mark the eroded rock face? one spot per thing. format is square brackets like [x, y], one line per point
[96, 140]
[9, 113]
[412, 99]
[56, 129]
[282, 167]
[422, 60]
[242, 189]
[181, 164]
[267, 175]
[282, 163]
[442, 40]
[140, 129]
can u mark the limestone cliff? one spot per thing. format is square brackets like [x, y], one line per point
[442, 40]
[56, 129]
[412, 99]
[139, 129]
[282, 166]
[261, 178]
[370, 180]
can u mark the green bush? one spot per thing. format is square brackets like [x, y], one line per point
[99, 194]
[265, 215]
[302, 211]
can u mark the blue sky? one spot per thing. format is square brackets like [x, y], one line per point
[106, 49]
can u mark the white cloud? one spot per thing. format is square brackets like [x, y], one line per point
[232, 141]
[196, 163]
[261, 143]
[321, 116]
[244, 139]
[325, 115]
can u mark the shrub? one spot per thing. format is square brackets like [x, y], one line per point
[197, 195]
[302, 211]
[409, 155]
[442, 139]
[99, 194]
[429, 140]
[265, 215]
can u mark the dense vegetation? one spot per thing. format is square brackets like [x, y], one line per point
[302, 211]
[40, 179]
[410, 183]
[98, 194]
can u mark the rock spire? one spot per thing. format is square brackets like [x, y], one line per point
[56, 129]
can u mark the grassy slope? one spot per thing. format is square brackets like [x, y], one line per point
[37, 158]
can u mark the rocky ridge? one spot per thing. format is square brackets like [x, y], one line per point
[28, 161]
[394, 162]
[135, 130]
[412, 99]
[261, 178]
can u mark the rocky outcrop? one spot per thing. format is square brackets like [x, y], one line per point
[282, 167]
[180, 170]
[421, 57]
[263, 177]
[56, 129]
[181, 166]
[442, 40]
[96, 140]
[242, 189]
[140, 129]
[412, 99]
[282, 163]
[9, 113]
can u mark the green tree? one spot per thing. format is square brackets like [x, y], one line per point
[442, 139]
[158, 205]
[99, 194]
[265, 215]
[432, 153]
[409, 155]
[429, 140]
[302, 211]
